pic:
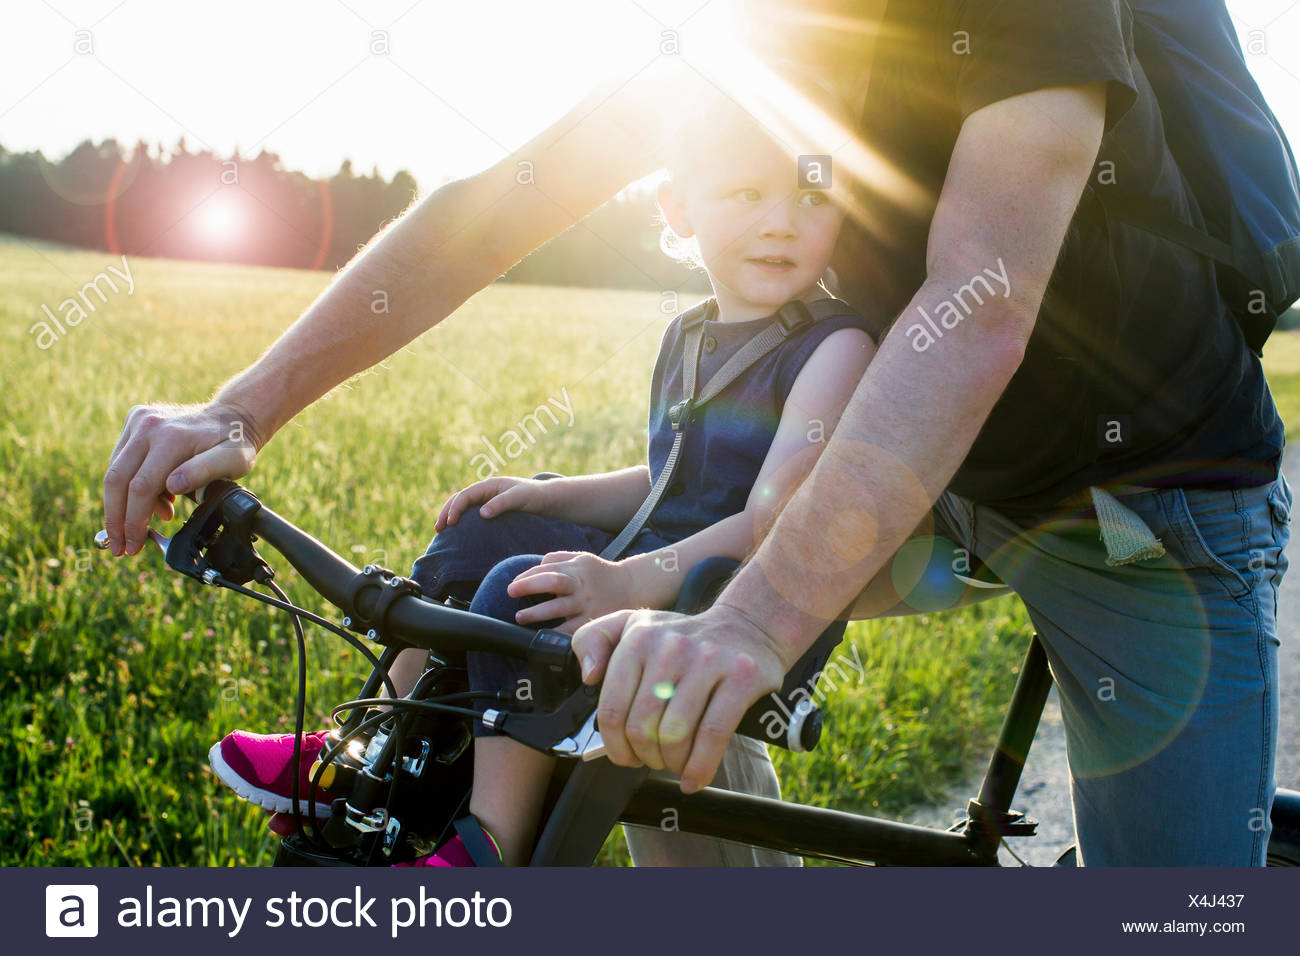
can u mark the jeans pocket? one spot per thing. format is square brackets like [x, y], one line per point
[1210, 530]
[1279, 501]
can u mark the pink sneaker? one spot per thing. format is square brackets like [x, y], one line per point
[258, 768]
[455, 853]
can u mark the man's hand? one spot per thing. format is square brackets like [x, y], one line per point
[676, 686]
[166, 451]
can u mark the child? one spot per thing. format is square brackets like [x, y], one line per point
[733, 205]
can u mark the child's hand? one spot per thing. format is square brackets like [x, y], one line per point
[495, 495]
[585, 587]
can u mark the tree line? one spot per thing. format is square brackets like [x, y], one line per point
[148, 201]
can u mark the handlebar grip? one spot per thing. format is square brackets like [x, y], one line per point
[789, 718]
[776, 720]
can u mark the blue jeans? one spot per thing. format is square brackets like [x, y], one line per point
[1166, 667]
[492, 552]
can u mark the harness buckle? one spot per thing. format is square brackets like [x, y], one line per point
[680, 414]
[793, 316]
[697, 314]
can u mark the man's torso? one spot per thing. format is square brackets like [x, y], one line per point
[1135, 371]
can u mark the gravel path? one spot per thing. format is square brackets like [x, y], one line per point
[1045, 786]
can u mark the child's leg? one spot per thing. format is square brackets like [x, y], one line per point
[510, 778]
[406, 670]
[473, 546]
[509, 785]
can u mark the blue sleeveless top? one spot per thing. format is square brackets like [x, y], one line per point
[728, 439]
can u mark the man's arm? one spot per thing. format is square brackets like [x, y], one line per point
[428, 262]
[449, 246]
[1016, 175]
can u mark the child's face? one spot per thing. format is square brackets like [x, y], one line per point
[747, 210]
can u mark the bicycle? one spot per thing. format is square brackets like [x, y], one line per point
[406, 770]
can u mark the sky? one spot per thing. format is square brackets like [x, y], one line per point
[442, 88]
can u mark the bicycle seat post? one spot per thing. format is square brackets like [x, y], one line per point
[989, 815]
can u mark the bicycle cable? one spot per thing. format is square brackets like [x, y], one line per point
[300, 710]
[332, 750]
[398, 743]
[316, 619]
[1007, 847]
[395, 704]
[399, 705]
[403, 703]
[282, 602]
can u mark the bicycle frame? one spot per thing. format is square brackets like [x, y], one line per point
[598, 795]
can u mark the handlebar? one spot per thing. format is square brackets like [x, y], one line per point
[215, 544]
[411, 619]
[228, 517]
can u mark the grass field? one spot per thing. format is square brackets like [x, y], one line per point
[116, 676]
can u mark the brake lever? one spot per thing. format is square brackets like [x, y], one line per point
[572, 724]
[163, 542]
[586, 743]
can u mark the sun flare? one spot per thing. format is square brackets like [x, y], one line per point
[219, 220]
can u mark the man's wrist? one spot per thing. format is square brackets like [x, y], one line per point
[239, 406]
[735, 618]
[238, 423]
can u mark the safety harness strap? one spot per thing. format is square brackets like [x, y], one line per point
[790, 319]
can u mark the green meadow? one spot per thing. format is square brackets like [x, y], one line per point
[117, 675]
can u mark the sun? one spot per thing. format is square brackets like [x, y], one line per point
[219, 219]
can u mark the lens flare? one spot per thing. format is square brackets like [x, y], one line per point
[220, 219]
